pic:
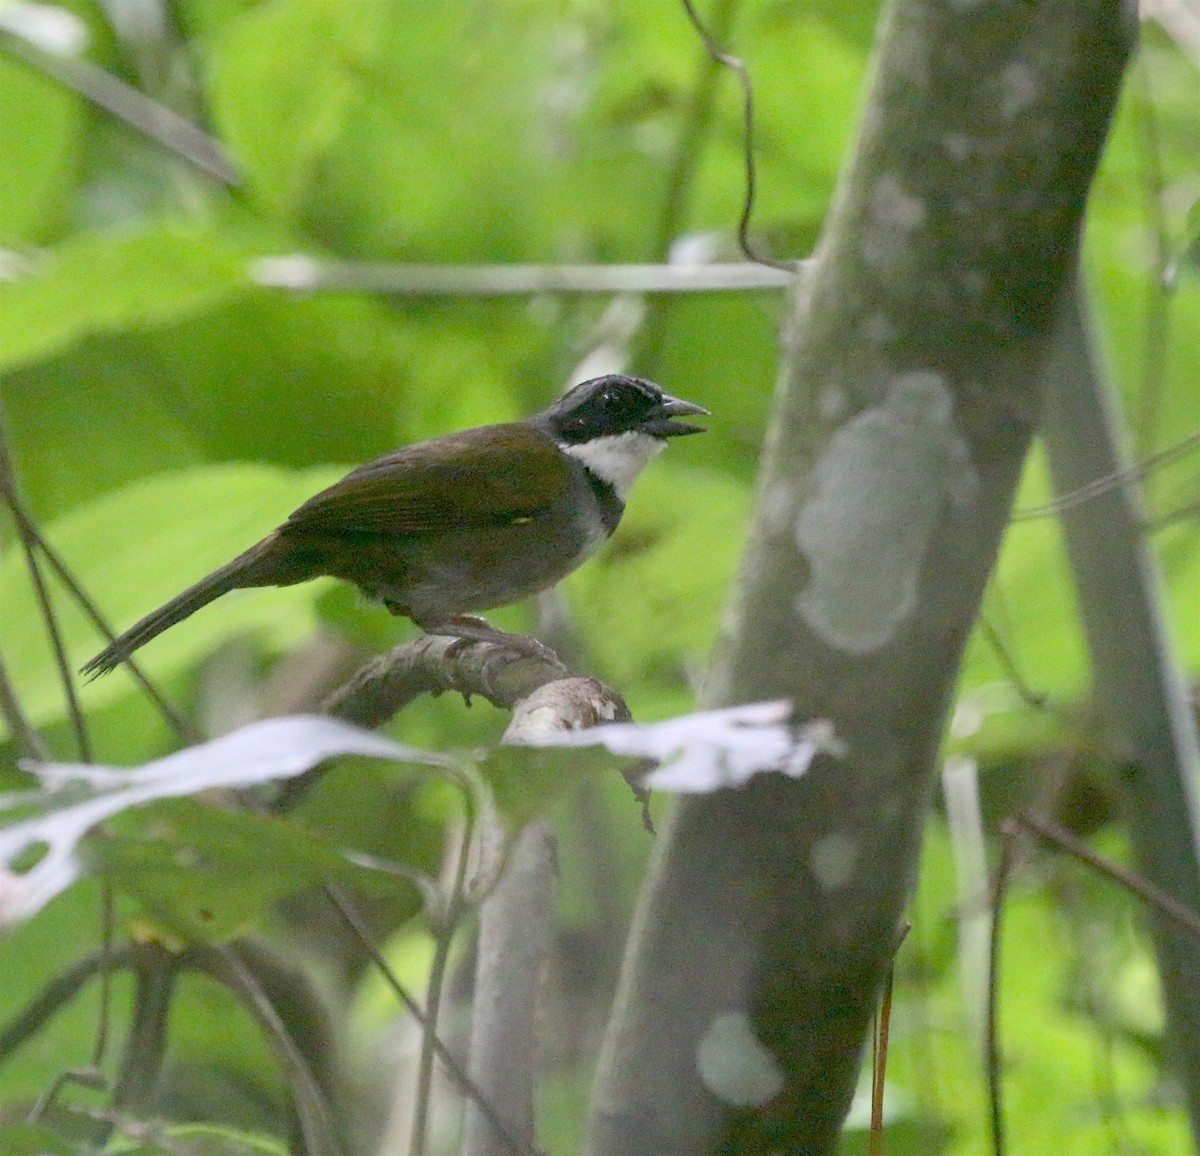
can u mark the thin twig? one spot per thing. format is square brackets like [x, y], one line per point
[306, 274]
[178, 724]
[354, 921]
[881, 1026]
[992, 1027]
[57, 993]
[1098, 487]
[738, 67]
[108, 925]
[313, 1111]
[437, 975]
[1058, 836]
[25, 735]
[35, 545]
[1024, 691]
[881, 1031]
[697, 120]
[29, 537]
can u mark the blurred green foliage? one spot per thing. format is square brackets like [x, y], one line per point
[165, 410]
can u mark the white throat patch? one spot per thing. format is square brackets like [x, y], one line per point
[618, 458]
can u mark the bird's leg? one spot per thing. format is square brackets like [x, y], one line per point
[470, 628]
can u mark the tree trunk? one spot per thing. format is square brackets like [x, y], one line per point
[906, 406]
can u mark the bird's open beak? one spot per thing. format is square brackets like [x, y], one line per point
[664, 427]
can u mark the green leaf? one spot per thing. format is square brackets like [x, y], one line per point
[39, 130]
[33, 1140]
[282, 80]
[40, 830]
[139, 546]
[196, 871]
[263, 376]
[109, 282]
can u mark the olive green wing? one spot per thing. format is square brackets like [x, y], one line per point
[481, 477]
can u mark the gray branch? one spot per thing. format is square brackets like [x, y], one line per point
[1140, 689]
[515, 932]
[302, 273]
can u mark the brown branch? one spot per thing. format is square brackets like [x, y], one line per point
[1059, 836]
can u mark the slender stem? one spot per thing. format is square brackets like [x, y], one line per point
[437, 975]
[316, 1118]
[27, 738]
[1059, 836]
[353, 920]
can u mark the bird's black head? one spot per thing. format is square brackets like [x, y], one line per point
[616, 404]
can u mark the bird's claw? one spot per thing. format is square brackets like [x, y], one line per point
[465, 629]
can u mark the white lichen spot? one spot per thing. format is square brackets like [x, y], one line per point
[893, 215]
[959, 146]
[880, 489]
[878, 329]
[973, 281]
[832, 860]
[832, 405]
[734, 1064]
[1020, 88]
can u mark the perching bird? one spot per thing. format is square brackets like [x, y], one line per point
[466, 522]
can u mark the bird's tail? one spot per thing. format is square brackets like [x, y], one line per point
[256, 567]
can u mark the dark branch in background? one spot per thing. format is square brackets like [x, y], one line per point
[30, 540]
[59, 992]
[992, 1057]
[155, 973]
[738, 67]
[454, 1069]
[37, 548]
[25, 735]
[1111, 480]
[1140, 690]
[1056, 835]
[226, 966]
[244, 969]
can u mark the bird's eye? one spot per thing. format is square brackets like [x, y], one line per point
[620, 404]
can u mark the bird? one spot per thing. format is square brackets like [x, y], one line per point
[462, 523]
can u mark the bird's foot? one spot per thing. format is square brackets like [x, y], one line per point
[470, 628]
